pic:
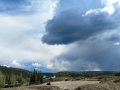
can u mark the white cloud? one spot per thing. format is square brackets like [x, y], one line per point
[6, 65]
[14, 63]
[109, 9]
[53, 6]
[20, 36]
[117, 43]
[36, 64]
[110, 5]
[96, 11]
[50, 66]
[110, 2]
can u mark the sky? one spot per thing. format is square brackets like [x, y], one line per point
[60, 35]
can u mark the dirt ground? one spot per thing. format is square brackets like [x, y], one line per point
[100, 86]
[70, 85]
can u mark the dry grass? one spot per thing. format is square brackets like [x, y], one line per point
[33, 88]
[45, 88]
[100, 86]
[16, 88]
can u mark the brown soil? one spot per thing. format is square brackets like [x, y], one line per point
[70, 85]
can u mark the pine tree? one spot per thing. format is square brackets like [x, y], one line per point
[36, 77]
[41, 78]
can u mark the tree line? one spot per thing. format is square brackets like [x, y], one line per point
[83, 73]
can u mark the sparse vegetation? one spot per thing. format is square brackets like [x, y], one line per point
[107, 82]
[100, 86]
[105, 78]
[33, 88]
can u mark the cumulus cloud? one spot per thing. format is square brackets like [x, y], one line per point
[14, 63]
[91, 35]
[110, 2]
[53, 6]
[70, 25]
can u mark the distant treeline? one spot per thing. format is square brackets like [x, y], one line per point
[83, 73]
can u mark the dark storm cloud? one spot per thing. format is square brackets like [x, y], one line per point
[92, 32]
[69, 25]
[114, 37]
[92, 55]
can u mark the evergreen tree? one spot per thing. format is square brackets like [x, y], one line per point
[36, 77]
[41, 77]
[33, 78]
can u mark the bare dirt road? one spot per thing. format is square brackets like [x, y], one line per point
[71, 85]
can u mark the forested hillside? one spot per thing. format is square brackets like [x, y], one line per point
[10, 77]
[16, 71]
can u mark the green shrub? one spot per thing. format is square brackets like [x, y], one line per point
[104, 78]
[2, 80]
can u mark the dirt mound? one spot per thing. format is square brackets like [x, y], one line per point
[45, 88]
[100, 86]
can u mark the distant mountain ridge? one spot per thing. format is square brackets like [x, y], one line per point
[83, 73]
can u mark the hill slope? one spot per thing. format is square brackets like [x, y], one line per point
[16, 71]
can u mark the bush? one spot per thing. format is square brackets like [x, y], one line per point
[117, 74]
[48, 83]
[104, 78]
